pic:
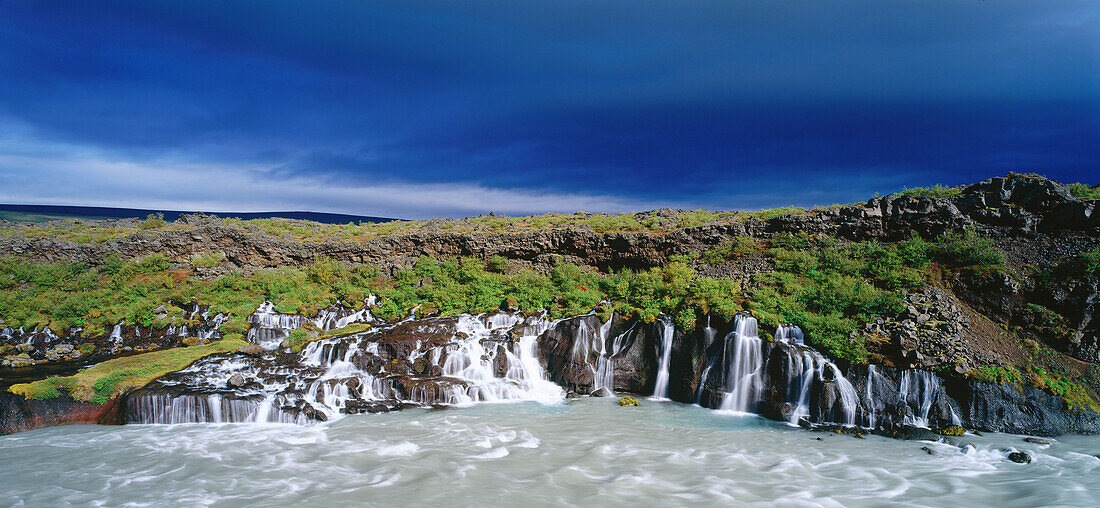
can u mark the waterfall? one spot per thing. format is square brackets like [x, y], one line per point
[188, 408]
[869, 395]
[116, 335]
[708, 338]
[744, 361]
[805, 367]
[605, 367]
[922, 387]
[789, 333]
[849, 400]
[269, 327]
[801, 368]
[664, 354]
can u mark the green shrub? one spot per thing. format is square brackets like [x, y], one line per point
[739, 248]
[153, 221]
[794, 261]
[1084, 191]
[968, 250]
[497, 263]
[208, 259]
[935, 191]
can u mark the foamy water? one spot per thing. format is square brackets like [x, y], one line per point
[585, 452]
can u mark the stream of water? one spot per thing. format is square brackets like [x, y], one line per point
[583, 452]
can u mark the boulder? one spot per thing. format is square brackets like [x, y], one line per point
[236, 381]
[251, 350]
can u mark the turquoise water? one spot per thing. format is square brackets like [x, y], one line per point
[588, 452]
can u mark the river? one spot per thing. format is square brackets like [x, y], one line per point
[587, 452]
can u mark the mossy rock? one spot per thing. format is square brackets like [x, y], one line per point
[628, 401]
[951, 430]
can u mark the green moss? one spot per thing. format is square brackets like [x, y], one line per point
[1075, 395]
[105, 381]
[628, 401]
[951, 430]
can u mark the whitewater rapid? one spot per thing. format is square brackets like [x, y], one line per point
[584, 452]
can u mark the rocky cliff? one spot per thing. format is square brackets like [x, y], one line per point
[949, 358]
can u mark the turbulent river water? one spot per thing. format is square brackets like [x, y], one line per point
[582, 452]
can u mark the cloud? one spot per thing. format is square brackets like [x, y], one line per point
[85, 176]
[560, 105]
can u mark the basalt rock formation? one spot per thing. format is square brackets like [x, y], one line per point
[951, 327]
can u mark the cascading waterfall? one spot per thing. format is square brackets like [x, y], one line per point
[869, 395]
[789, 333]
[494, 357]
[919, 389]
[605, 368]
[269, 327]
[708, 338]
[801, 368]
[744, 360]
[805, 367]
[664, 354]
[849, 400]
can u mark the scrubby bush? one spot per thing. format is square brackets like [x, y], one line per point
[1084, 191]
[739, 248]
[153, 221]
[935, 191]
[968, 250]
[208, 259]
[497, 263]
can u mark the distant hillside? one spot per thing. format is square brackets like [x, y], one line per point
[44, 213]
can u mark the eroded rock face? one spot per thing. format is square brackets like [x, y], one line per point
[18, 414]
[575, 353]
[1004, 408]
[1013, 205]
[931, 333]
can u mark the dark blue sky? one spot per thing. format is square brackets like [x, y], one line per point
[417, 109]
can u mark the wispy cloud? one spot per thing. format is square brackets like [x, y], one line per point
[76, 175]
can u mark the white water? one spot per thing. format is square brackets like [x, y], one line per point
[789, 333]
[744, 366]
[664, 356]
[589, 452]
[468, 360]
[269, 327]
[920, 389]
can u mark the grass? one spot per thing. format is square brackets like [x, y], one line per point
[208, 259]
[935, 191]
[107, 380]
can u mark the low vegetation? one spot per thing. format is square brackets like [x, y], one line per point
[935, 191]
[1084, 191]
[828, 287]
[105, 381]
[1052, 381]
[831, 288]
[739, 248]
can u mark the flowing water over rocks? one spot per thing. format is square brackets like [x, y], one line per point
[529, 454]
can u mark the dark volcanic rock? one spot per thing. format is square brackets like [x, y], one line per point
[18, 414]
[1003, 408]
